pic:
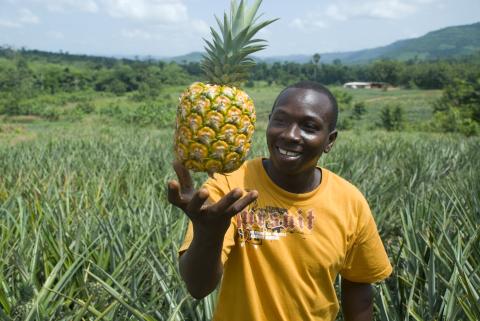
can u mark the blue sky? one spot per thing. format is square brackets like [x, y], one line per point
[176, 27]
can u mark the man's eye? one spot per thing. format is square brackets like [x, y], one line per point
[310, 127]
[279, 121]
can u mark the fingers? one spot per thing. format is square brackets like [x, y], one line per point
[194, 206]
[184, 177]
[226, 201]
[233, 202]
[173, 195]
[239, 205]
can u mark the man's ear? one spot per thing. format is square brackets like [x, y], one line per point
[331, 140]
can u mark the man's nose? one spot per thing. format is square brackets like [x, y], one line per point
[292, 133]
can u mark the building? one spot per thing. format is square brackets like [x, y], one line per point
[365, 85]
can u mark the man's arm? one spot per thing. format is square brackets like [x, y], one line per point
[357, 301]
[200, 265]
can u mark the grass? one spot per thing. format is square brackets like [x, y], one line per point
[86, 232]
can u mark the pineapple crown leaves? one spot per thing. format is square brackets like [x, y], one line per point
[227, 60]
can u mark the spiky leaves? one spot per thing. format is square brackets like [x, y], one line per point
[227, 61]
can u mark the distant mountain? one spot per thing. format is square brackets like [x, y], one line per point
[444, 43]
[191, 57]
[450, 42]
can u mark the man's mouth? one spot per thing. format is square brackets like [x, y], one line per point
[288, 153]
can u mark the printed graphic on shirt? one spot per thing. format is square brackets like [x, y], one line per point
[269, 223]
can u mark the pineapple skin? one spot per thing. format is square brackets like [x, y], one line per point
[214, 128]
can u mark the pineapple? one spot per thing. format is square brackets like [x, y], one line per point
[216, 120]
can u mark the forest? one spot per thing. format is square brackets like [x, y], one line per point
[27, 77]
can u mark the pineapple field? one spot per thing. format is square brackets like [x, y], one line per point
[87, 233]
[87, 146]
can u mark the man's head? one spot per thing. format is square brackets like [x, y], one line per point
[301, 127]
[315, 86]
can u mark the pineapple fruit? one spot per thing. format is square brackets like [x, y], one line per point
[216, 120]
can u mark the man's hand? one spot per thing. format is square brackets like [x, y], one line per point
[212, 219]
[200, 266]
[357, 301]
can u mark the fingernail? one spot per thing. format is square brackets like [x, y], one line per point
[203, 193]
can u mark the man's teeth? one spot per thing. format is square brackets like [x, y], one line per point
[287, 153]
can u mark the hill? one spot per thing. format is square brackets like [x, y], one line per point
[450, 42]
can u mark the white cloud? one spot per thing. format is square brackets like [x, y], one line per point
[298, 23]
[200, 26]
[158, 11]
[195, 29]
[26, 16]
[380, 9]
[386, 9]
[9, 24]
[66, 5]
[311, 22]
[344, 10]
[56, 34]
[136, 34]
[23, 17]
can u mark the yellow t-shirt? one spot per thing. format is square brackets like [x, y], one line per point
[282, 254]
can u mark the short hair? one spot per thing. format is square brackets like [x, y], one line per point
[319, 88]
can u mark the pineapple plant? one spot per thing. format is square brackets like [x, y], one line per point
[216, 120]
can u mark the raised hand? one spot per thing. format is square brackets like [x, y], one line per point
[206, 217]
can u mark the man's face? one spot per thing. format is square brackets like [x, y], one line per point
[298, 130]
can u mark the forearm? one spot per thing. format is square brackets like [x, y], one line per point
[357, 301]
[200, 266]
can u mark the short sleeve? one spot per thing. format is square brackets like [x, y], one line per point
[366, 260]
[217, 188]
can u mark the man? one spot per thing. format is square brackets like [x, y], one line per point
[279, 230]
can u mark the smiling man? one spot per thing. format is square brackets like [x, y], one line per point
[280, 229]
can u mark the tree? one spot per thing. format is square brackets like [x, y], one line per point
[458, 110]
[386, 71]
[316, 60]
[391, 120]
[359, 110]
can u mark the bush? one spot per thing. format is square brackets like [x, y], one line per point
[458, 110]
[86, 107]
[249, 84]
[391, 118]
[344, 99]
[147, 114]
[50, 113]
[359, 110]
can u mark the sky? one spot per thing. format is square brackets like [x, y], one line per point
[163, 28]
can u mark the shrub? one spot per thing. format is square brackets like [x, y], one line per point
[86, 107]
[391, 118]
[458, 110]
[359, 110]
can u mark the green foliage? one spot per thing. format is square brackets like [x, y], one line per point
[359, 110]
[155, 114]
[423, 191]
[391, 118]
[386, 71]
[86, 107]
[458, 110]
[344, 98]
[87, 232]
[25, 75]
[227, 60]
[249, 83]
[344, 122]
